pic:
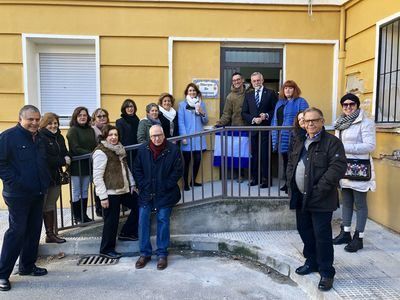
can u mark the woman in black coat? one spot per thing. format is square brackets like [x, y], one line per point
[128, 127]
[168, 115]
[57, 157]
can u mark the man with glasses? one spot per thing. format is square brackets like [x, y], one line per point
[233, 104]
[157, 170]
[315, 166]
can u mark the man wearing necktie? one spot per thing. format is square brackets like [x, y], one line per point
[258, 108]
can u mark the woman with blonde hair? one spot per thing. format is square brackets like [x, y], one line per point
[57, 157]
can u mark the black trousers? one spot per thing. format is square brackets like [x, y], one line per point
[315, 230]
[111, 220]
[23, 235]
[285, 158]
[260, 158]
[196, 165]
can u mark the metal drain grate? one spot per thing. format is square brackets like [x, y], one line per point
[96, 260]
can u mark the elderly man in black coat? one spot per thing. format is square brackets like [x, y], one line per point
[25, 176]
[315, 166]
[157, 169]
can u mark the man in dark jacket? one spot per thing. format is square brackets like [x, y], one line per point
[258, 109]
[315, 166]
[25, 176]
[157, 169]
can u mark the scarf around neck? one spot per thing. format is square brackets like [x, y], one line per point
[193, 101]
[131, 119]
[170, 115]
[154, 121]
[117, 149]
[156, 150]
[344, 121]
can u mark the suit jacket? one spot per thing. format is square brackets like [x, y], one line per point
[267, 105]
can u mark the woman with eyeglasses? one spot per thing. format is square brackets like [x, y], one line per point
[57, 157]
[192, 116]
[289, 104]
[81, 140]
[128, 123]
[357, 133]
[151, 119]
[99, 119]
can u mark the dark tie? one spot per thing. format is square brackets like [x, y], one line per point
[258, 98]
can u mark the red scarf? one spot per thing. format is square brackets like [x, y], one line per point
[156, 150]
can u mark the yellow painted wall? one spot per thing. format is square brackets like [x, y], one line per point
[134, 44]
[311, 66]
[361, 19]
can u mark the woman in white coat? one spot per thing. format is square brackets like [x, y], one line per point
[114, 186]
[357, 133]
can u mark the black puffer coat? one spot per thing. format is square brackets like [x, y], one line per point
[56, 151]
[325, 165]
[157, 180]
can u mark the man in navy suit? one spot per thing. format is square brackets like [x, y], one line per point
[258, 108]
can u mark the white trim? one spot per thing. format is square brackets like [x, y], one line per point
[335, 78]
[58, 39]
[284, 64]
[170, 65]
[334, 43]
[378, 25]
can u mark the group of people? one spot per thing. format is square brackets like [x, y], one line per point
[146, 180]
[315, 164]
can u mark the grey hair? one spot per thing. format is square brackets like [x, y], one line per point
[150, 106]
[26, 108]
[256, 74]
[154, 126]
[313, 109]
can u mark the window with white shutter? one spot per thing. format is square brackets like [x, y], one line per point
[67, 80]
[61, 72]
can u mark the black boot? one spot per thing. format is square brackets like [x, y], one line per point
[76, 212]
[51, 237]
[355, 244]
[342, 238]
[86, 218]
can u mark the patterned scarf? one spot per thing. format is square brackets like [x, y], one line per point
[118, 149]
[344, 121]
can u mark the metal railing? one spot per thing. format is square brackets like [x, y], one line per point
[226, 169]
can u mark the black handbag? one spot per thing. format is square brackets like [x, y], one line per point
[65, 176]
[358, 169]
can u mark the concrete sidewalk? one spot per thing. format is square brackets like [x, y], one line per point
[371, 273]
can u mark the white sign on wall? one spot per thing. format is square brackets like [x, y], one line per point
[209, 88]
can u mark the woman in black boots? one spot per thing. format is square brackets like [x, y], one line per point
[357, 133]
[57, 157]
[81, 140]
[114, 186]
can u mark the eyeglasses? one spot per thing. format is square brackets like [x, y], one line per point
[156, 136]
[101, 116]
[312, 120]
[129, 106]
[351, 104]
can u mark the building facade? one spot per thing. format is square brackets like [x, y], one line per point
[112, 50]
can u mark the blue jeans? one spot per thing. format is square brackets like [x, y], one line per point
[163, 237]
[80, 187]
